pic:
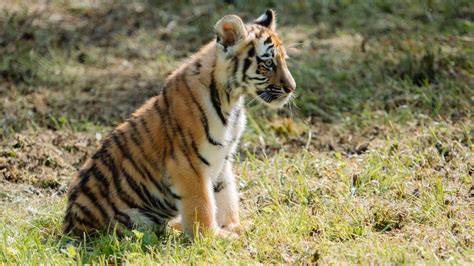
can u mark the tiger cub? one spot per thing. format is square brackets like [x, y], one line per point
[173, 156]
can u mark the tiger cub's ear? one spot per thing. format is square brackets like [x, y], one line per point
[230, 30]
[267, 19]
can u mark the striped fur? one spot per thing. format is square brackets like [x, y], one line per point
[173, 156]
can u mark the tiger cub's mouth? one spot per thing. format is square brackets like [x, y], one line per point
[274, 94]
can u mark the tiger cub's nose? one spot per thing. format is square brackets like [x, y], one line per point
[288, 89]
[288, 84]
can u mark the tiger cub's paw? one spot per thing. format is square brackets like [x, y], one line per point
[225, 234]
[177, 226]
[233, 227]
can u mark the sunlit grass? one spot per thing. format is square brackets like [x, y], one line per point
[371, 164]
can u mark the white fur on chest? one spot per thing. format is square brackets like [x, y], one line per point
[228, 135]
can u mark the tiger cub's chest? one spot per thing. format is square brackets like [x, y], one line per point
[228, 136]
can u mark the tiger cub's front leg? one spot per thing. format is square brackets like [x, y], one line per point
[197, 204]
[227, 199]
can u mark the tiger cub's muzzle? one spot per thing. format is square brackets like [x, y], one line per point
[275, 92]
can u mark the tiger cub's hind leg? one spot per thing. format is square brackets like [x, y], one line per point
[78, 225]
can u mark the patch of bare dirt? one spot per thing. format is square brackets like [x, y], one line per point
[43, 162]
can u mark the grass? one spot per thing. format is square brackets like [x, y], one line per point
[373, 164]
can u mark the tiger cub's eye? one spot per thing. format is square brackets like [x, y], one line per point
[268, 63]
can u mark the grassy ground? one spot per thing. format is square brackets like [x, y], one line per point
[374, 163]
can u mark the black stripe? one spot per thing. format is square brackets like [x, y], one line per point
[216, 102]
[87, 213]
[109, 163]
[236, 67]
[123, 195]
[159, 207]
[204, 120]
[182, 140]
[185, 149]
[73, 195]
[251, 52]
[156, 203]
[227, 94]
[163, 209]
[147, 195]
[117, 136]
[136, 137]
[247, 63]
[143, 192]
[176, 196]
[95, 201]
[170, 205]
[104, 188]
[132, 184]
[148, 136]
[104, 156]
[193, 144]
[145, 125]
[101, 179]
[167, 116]
[257, 78]
[124, 219]
[67, 220]
[176, 127]
[268, 40]
[163, 204]
[159, 186]
[219, 186]
[184, 143]
[165, 124]
[83, 177]
[197, 67]
[150, 214]
[197, 64]
[84, 222]
[166, 190]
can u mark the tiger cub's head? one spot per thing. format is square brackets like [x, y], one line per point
[255, 58]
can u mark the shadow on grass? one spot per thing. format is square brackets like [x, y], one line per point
[110, 248]
[71, 61]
